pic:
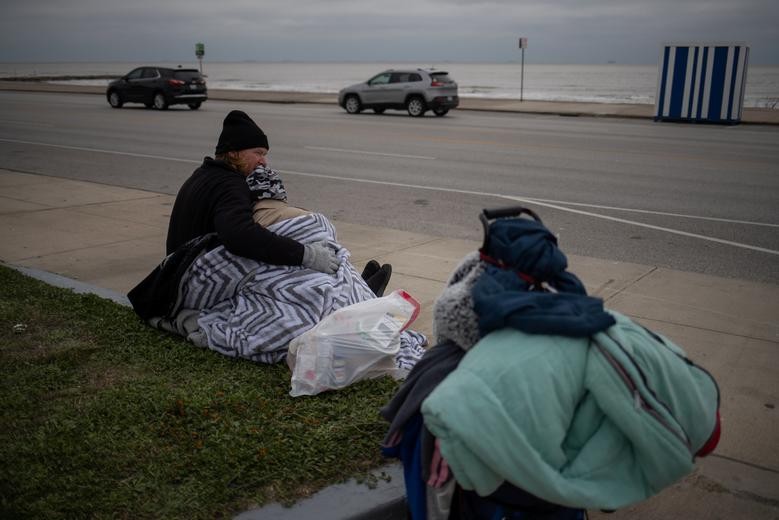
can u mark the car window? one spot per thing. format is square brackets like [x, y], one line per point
[414, 77]
[400, 77]
[149, 73]
[443, 77]
[381, 79]
[186, 75]
[135, 74]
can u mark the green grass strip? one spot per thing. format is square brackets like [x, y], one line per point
[105, 417]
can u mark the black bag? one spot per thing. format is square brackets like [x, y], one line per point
[156, 294]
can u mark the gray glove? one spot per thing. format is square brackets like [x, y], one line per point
[319, 256]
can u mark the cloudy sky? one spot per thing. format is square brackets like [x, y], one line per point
[558, 31]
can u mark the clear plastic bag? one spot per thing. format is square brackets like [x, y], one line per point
[353, 343]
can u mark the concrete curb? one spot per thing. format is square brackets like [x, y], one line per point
[348, 501]
[352, 500]
[68, 283]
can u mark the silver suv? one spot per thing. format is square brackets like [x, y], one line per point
[415, 90]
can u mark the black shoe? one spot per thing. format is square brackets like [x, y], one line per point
[370, 269]
[378, 282]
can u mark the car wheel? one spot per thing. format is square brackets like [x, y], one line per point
[352, 105]
[416, 106]
[440, 111]
[159, 101]
[194, 106]
[379, 110]
[114, 99]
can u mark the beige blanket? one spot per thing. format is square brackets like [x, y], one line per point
[269, 211]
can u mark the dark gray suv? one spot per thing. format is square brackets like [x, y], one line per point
[414, 90]
[158, 87]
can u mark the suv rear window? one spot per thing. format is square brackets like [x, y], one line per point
[186, 75]
[443, 77]
[401, 77]
[405, 77]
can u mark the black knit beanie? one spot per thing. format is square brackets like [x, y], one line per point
[239, 132]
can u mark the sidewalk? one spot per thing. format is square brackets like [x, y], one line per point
[765, 116]
[112, 237]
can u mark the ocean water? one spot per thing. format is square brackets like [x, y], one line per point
[608, 83]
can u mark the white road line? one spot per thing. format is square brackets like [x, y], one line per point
[27, 123]
[83, 149]
[641, 224]
[363, 152]
[546, 204]
[540, 202]
[663, 213]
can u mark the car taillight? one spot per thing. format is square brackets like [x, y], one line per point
[436, 83]
[175, 83]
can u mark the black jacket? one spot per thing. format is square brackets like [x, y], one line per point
[216, 198]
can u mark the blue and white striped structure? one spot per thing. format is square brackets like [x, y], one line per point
[702, 82]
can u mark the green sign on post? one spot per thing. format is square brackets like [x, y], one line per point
[200, 50]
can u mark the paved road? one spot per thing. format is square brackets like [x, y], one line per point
[690, 197]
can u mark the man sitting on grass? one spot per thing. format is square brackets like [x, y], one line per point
[241, 288]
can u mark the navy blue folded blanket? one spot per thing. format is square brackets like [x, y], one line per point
[524, 257]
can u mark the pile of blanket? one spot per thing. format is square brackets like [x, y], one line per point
[248, 309]
[538, 399]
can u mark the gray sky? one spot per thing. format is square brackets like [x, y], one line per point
[558, 31]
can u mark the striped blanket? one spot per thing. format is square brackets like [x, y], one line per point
[252, 310]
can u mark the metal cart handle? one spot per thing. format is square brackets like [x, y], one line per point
[491, 214]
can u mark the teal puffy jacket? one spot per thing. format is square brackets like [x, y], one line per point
[599, 422]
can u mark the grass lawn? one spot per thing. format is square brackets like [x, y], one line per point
[103, 416]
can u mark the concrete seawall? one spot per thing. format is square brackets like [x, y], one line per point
[564, 108]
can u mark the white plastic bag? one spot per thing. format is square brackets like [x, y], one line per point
[353, 343]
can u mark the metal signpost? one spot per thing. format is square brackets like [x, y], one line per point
[200, 50]
[523, 46]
